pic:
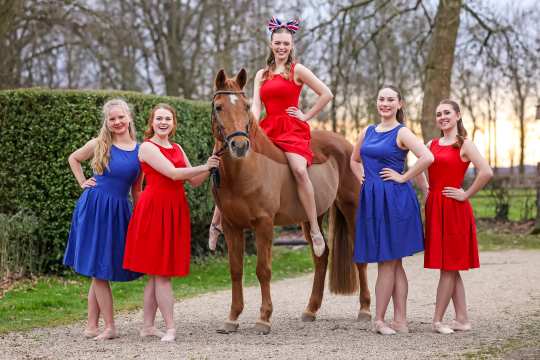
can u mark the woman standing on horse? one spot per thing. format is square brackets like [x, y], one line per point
[278, 87]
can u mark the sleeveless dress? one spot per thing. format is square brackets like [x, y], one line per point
[159, 233]
[288, 133]
[100, 220]
[388, 221]
[450, 228]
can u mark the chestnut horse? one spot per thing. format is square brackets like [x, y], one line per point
[257, 190]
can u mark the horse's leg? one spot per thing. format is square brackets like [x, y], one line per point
[364, 314]
[264, 233]
[234, 237]
[317, 290]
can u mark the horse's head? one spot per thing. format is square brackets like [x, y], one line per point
[231, 114]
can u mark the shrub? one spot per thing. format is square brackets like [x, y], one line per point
[40, 128]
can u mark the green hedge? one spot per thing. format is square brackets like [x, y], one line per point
[39, 129]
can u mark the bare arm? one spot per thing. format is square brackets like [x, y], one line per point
[421, 179]
[151, 155]
[469, 151]
[409, 141]
[77, 157]
[197, 179]
[356, 161]
[256, 105]
[303, 75]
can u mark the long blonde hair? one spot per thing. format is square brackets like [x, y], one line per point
[102, 152]
[271, 60]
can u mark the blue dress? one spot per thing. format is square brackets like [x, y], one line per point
[100, 220]
[388, 221]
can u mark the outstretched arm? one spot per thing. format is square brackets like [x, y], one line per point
[150, 154]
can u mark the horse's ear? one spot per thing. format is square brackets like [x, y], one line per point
[220, 79]
[241, 78]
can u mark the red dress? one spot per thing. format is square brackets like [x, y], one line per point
[159, 233]
[450, 228]
[289, 133]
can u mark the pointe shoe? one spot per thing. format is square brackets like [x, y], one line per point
[213, 236]
[90, 333]
[380, 327]
[440, 328]
[151, 331]
[399, 327]
[458, 326]
[107, 334]
[318, 243]
[170, 335]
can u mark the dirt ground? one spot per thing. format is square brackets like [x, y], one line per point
[503, 297]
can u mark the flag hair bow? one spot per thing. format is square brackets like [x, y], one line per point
[275, 23]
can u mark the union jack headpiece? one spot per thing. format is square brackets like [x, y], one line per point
[275, 23]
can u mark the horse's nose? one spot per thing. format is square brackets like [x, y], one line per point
[240, 147]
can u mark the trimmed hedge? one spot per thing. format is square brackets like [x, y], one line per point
[39, 129]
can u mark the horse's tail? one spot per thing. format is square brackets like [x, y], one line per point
[343, 272]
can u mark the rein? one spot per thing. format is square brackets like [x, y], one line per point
[216, 179]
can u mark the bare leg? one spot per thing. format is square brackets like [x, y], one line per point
[460, 305]
[215, 229]
[445, 289]
[104, 298]
[384, 287]
[149, 310]
[298, 165]
[92, 327]
[399, 298]
[165, 302]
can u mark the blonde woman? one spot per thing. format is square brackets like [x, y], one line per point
[97, 237]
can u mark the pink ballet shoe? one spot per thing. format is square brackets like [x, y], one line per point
[380, 327]
[441, 328]
[458, 326]
[107, 334]
[151, 331]
[169, 336]
[399, 327]
[213, 236]
[90, 333]
[318, 243]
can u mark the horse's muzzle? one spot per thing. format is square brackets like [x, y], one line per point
[239, 148]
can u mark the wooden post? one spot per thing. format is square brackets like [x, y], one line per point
[536, 229]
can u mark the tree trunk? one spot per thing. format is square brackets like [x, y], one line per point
[440, 59]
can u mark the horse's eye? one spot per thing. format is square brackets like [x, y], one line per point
[248, 107]
[219, 107]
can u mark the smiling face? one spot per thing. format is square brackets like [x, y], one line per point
[163, 123]
[281, 44]
[388, 103]
[118, 120]
[446, 117]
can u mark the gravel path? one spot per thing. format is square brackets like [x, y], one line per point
[502, 295]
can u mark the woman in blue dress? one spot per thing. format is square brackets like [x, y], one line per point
[388, 221]
[96, 241]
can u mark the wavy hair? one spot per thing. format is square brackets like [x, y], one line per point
[102, 152]
[461, 132]
[271, 60]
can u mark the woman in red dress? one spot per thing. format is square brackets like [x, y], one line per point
[278, 87]
[450, 234]
[159, 233]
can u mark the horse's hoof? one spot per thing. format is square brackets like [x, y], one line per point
[308, 316]
[262, 327]
[229, 327]
[364, 316]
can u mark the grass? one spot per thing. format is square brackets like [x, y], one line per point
[50, 301]
[522, 204]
